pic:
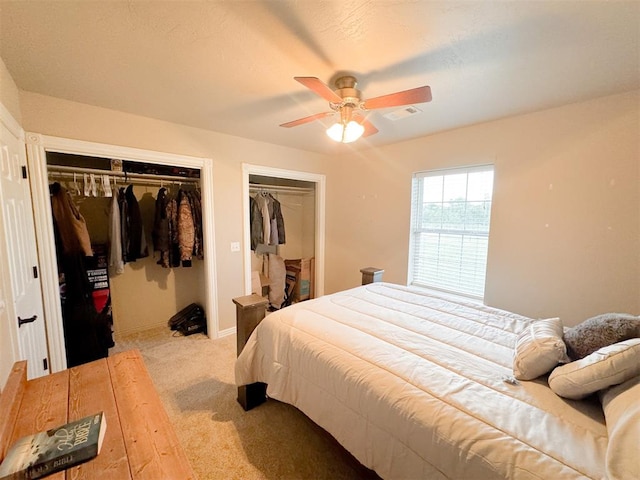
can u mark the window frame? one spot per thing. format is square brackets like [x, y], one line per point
[417, 196]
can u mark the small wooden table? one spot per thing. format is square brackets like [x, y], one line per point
[140, 442]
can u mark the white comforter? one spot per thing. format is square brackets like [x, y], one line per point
[413, 385]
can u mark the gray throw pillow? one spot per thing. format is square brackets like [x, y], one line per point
[600, 331]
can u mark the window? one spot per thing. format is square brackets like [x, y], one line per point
[450, 215]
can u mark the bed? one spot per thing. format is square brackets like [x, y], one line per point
[417, 384]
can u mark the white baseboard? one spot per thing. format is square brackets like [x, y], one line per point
[227, 332]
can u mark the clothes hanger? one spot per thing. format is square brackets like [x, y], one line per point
[106, 186]
[76, 188]
[92, 185]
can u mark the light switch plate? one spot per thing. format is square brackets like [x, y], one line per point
[235, 246]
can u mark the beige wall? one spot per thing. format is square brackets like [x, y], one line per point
[61, 118]
[9, 93]
[565, 226]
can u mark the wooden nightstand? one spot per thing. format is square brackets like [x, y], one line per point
[250, 310]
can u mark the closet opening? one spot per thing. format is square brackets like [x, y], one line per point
[40, 150]
[284, 235]
[130, 271]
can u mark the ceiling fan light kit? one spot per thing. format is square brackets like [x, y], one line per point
[346, 98]
[347, 130]
[345, 133]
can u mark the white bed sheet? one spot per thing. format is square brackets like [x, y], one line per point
[412, 383]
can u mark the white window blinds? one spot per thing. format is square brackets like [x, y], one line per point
[450, 215]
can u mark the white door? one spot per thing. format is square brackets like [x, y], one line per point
[22, 258]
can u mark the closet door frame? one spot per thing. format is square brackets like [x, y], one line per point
[320, 184]
[37, 147]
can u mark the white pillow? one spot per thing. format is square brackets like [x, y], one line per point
[607, 366]
[539, 348]
[622, 413]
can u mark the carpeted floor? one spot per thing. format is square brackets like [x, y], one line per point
[194, 377]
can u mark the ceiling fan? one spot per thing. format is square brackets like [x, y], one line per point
[347, 101]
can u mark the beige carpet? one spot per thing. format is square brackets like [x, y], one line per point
[194, 377]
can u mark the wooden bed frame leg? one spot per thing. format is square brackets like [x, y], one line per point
[250, 396]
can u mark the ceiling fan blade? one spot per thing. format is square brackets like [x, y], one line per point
[406, 97]
[308, 119]
[319, 88]
[369, 128]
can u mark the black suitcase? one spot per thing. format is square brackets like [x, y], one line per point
[191, 319]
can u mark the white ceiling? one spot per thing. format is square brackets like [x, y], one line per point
[228, 66]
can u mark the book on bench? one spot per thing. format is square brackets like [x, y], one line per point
[43, 453]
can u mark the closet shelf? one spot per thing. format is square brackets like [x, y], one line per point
[256, 187]
[146, 178]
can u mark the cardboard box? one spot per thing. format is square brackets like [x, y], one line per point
[301, 271]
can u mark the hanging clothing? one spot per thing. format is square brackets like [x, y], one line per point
[177, 231]
[72, 227]
[266, 220]
[88, 335]
[160, 233]
[273, 234]
[136, 247]
[263, 206]
[174, 239]
[116, 261]
[278, 277]
[279, 220]
[255, 223]
[124, 223]
[186, 229]
[196, 210]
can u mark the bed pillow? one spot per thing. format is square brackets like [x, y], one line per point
[600, 331]
[611, 365]
[622, 415]
[539, 348]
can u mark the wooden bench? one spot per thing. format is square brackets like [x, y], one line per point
[140, 442]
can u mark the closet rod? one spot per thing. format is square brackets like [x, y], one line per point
[156, 182]
[255, 187]
[138, 176]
